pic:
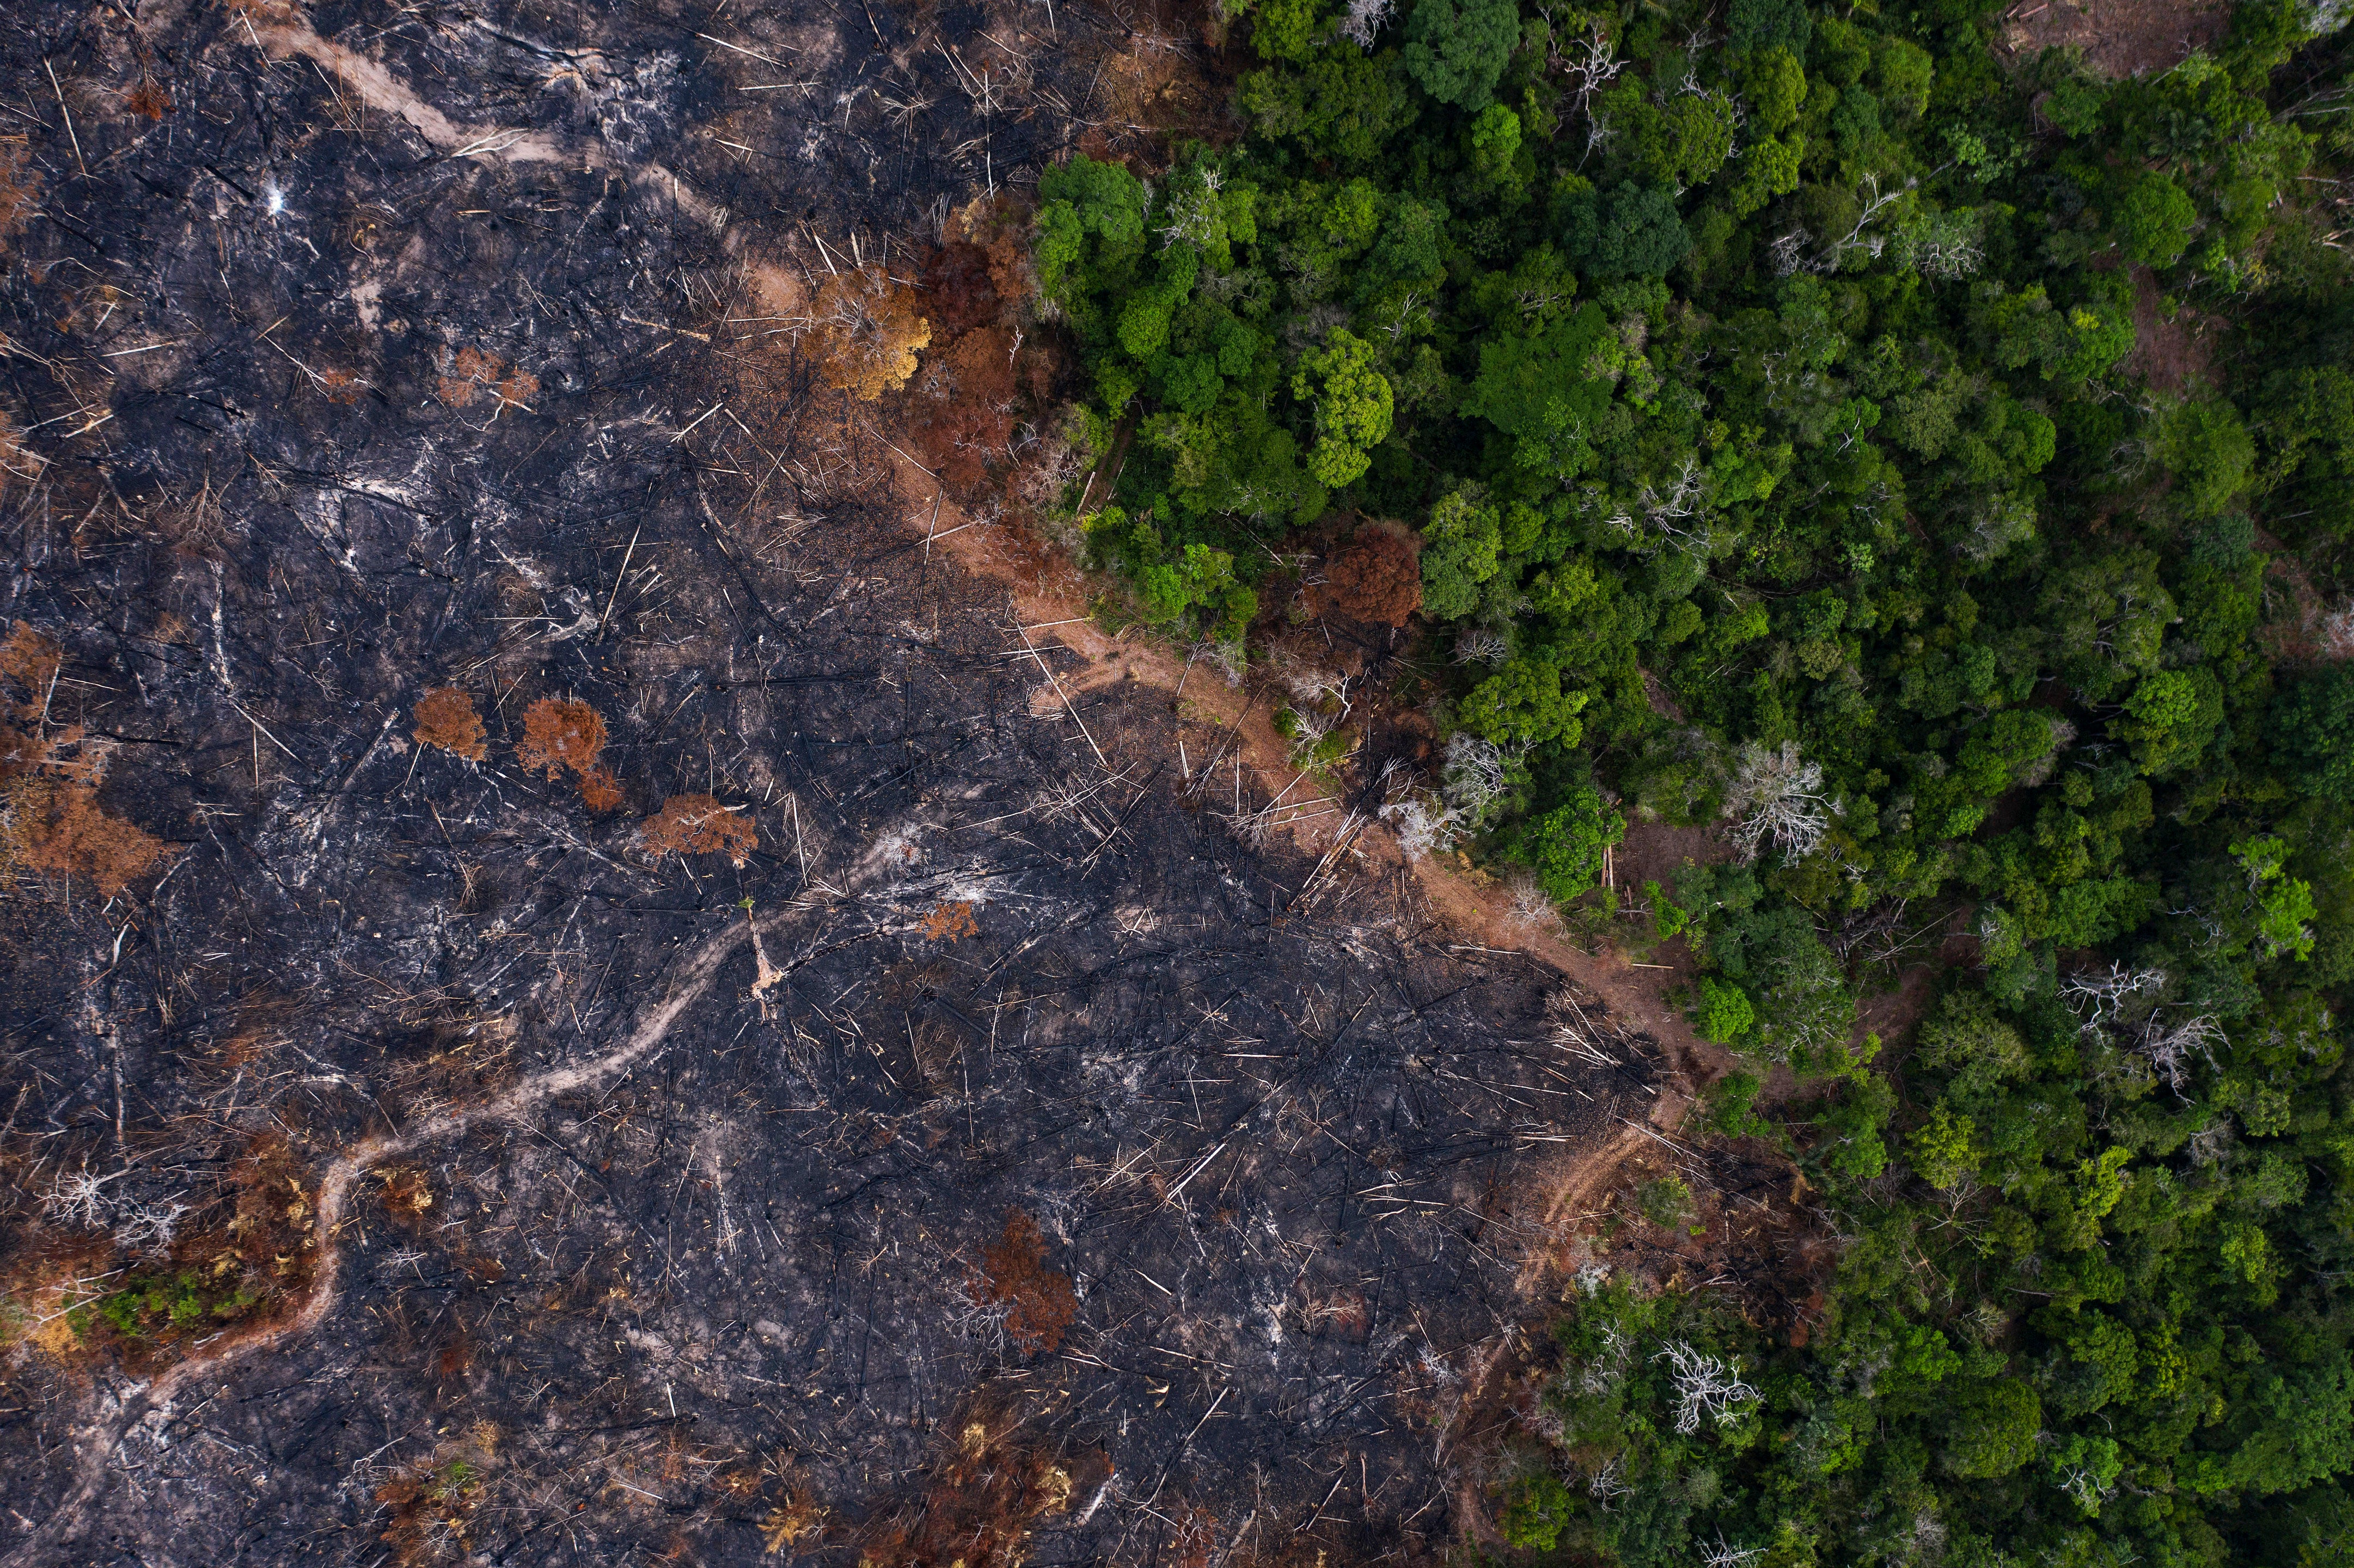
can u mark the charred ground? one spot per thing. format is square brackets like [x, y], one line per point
[460, 1143]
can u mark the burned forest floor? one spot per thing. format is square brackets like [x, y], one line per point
[603, 962]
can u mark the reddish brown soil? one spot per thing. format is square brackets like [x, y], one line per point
[1656, 852]
[2119, 38]
[2169, 355]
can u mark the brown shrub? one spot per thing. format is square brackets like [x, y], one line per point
[50, 820]
[406, 1195]
[960, 292]
[341, 386]
[470, 372]
[430, 1509]
[148, 100]
[446, 718]
[1040, 1303]
[793, 1522]
[57, 828]
[699, 824]
[558, 734]
[868, 332]
[950, 922]
[29, 663]
[1376, 576]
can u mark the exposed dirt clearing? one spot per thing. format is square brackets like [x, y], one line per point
[2119, 38]
[2172, 354]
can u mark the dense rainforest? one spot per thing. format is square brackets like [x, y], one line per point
[1939, 469]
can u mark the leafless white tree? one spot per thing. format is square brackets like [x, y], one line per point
[1943, 245]
[1705, 1386]
[1681, 512]
[1193, 213]
[2337, 633]
[80, 1200]
[1875, 202]
[2168, 1046]
[1776, 798]
[1309, 726]
[148, 1227]
[2079, 1482]
[1591, 63]
[1365, 21]
[1480, 645]
[1724, 1556]
[2097, 997]
[1310, 686]
[1424, 825]
[1472, 774]
[1531, 906]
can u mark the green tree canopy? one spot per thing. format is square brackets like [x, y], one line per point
[1456, 48]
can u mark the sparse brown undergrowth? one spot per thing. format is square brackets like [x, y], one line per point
[560, 734]
[429, 1505]
[699, 824]
[987, 1486]
[20, 188]
[471, 372]
[50, 820]
[148, 100]
[1039, 1302]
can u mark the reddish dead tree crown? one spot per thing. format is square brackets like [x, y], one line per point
[560, 734]
[699, 824]
[1375, 577]
[446, 718]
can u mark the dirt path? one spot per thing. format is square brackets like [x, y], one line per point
[99, 1434]
[1052, 602]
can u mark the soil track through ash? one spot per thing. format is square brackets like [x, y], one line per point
[97, 1442]
[332, 409]
[1055, 603]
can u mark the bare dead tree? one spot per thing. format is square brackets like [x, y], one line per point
[2097, 997]
[1480, 645]
[1365, 21]
[1590, 63]
[1705, 1386]
[1776, 798]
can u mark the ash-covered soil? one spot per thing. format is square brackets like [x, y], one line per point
[1001, 1162]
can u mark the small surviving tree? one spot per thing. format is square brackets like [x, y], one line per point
[1354, 405]
[1564, 847]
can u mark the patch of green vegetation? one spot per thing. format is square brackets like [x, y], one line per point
[1782, 359]
[149, 1306]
